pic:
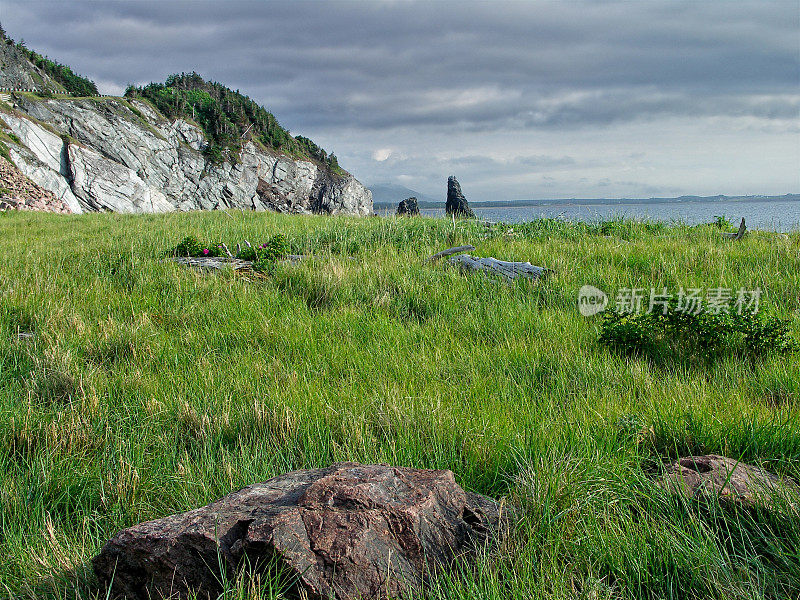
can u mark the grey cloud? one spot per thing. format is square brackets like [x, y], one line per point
[446, 68]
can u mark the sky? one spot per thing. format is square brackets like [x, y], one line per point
[519, 100]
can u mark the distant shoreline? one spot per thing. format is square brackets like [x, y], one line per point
[599, 201]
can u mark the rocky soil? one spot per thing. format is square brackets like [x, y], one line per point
[17, 192]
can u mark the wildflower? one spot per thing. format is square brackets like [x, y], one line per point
[205, 250]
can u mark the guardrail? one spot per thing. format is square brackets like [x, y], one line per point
[9, 90]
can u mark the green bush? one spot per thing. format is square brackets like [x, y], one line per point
[189, 246]
[722, 222]
[274, 250]
[687, 336]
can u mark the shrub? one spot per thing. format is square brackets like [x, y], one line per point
[276, 248]
[683, 335]
[75, 84]
[189, 246]
[247, 253]
[722, 222]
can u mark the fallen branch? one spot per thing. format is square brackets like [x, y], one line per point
[450, 251]
[739, 234]
[508, 270]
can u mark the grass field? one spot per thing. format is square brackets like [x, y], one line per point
[148, 389]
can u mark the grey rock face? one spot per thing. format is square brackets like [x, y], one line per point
[456, 202]
[408, 207]
[356, 531]
[729, 480]
[126, 157]
[18, 72]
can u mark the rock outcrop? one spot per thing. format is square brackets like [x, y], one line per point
[349, 530]
[728, 480]
[456, 202]
[408, 207]
[16, 71]
[17, 192]
[110, 154]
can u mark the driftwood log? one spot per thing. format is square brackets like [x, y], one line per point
[450, 251]
[507, 270]
[209, 263]
[739, 234]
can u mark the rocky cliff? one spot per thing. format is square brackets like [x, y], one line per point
[17, 71]
[111, 154]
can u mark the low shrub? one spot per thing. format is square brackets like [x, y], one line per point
[191, 246]
[275, 249]
[722, 222]
[683, 335]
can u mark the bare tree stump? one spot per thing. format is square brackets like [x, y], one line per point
[739, 234]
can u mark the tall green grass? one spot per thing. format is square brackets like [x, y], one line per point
[149, 389]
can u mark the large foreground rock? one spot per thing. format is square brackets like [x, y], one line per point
[728, 480]
[356, 531]
[456, 202]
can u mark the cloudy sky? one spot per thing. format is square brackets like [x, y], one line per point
[519, 100]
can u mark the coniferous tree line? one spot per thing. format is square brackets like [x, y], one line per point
[227, 118]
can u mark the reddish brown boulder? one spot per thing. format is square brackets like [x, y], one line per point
[727, 479]
[356, 531]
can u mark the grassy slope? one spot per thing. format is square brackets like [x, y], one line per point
[149, 389]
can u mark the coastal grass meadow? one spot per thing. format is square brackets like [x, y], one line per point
[132, 388]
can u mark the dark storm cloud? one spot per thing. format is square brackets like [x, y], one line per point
[441, 87]
[479, 66]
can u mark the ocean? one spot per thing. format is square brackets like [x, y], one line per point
[769, 214]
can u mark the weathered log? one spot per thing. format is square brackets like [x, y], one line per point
[506, 269]
[739, 234]
[450, 251]
[209, 263]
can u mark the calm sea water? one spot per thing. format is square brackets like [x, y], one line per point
[775, 215]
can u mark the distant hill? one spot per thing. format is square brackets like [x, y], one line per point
[719, 198]
[385, 195]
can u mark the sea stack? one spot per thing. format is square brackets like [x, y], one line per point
[408, 208]
[456, 202]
